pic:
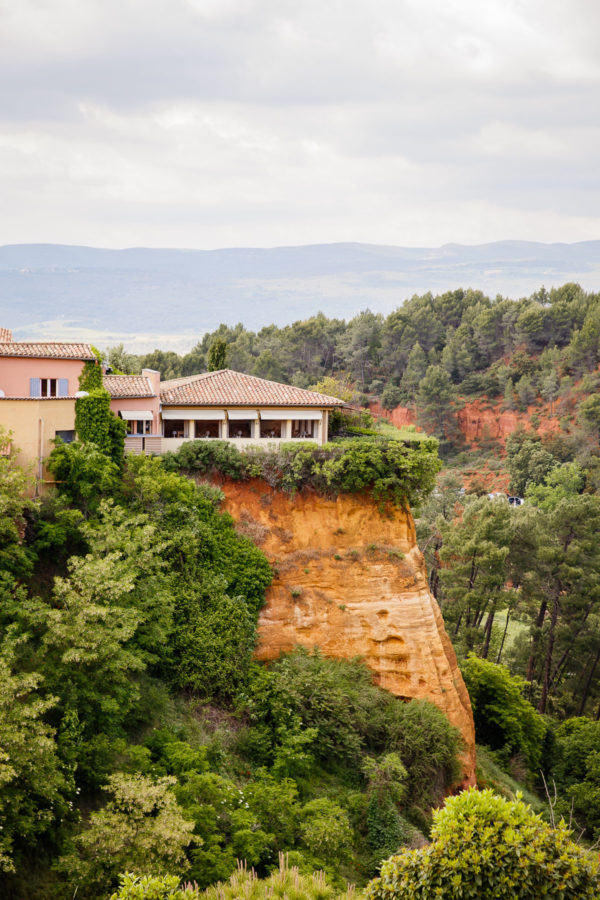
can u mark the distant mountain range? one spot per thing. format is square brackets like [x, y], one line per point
[150, 298]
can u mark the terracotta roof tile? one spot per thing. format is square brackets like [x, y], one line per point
[228, 388]
[128, 386]
[46, 350]
[5, 334]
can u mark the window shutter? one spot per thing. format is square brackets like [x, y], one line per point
[63, 387]
[35, 387]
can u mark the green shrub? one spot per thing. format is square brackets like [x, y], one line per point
[427, 744]
[141, 826]
[84, 474]
[149, 887]
[486, 846]
[286, 883]
[212, 643]
[350, 717]
[504, 720]
[577, 773]
[402, 473]
[325, 829]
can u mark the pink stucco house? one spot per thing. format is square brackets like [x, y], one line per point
[222, 405]
[136, 399]
[39, 382]
[34, 369]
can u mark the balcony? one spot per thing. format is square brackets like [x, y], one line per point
[137, 443]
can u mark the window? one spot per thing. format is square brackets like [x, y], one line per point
[48, 387]
[304, 428]
[66, 436]
[240, 428]
[271, 428]
[207, 429]
[173, 428]
[139, 426]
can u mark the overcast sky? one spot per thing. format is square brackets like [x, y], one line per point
[213, 123]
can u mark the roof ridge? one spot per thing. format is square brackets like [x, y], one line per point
[187, 379]
[62, 343]
[239, 388]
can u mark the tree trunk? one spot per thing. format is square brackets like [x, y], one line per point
[488, 633]
[549, 652]
[458, 625]
[503, 638]
[588, 683]
[568, 649]
[538, 624]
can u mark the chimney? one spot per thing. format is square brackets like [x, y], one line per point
[154, 378]
[5, 336]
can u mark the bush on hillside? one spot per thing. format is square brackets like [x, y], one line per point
[486, 846]
[350, 717]
[287, 882]
[504, 719]
[84, 474]
[394, 471]
[577, 773]
[140, 826]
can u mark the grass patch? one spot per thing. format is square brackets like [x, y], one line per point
[491, 775]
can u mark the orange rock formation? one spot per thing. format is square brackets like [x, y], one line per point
[479, 419]
[351, 580]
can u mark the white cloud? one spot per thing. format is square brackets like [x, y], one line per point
[234, 122]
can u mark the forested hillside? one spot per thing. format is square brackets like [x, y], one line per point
[137, 733]
[431, 354]
[142, 747]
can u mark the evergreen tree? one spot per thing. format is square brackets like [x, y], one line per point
[549, 388]
[509, 395]
[217, 355]
[436, 398]
[474, 570]
[416, 366]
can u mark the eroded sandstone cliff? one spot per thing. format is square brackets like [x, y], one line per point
[351, 580]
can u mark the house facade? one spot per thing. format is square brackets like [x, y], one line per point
[222, 405]
[39, 383]
[241, 408]
[136, 400]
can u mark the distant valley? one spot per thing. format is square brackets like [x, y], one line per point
[162, 297]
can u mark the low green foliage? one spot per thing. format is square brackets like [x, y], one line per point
[402, 473]
[84, 474]
[577, 773]
[286, 883]
[325, 830]
[33, 785]
[149, 887]
[350, 717]
[504, 720]
[141, 826]
[486, 846]
[491, 772]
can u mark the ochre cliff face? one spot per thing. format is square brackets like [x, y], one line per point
[480, 419]
[351, 581]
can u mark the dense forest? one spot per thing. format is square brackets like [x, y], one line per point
[143, 753]
[431, 354]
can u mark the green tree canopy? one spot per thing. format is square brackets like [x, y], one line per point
[486, 846]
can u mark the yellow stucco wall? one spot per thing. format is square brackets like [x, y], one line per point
[34, 424]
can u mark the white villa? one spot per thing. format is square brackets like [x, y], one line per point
[224, 405]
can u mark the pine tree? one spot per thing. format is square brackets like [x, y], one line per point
[217, 355]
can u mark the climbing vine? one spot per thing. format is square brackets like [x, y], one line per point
[95, 423]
